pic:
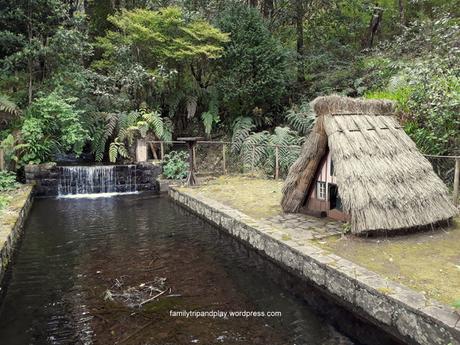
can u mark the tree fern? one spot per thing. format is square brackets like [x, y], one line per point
[242, 128]
[301, 118]
[253, 149]
[129, 125]
[258, 149]
[7, 106]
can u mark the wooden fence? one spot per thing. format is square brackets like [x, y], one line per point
[276, 174]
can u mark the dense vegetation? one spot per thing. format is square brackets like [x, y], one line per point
[89, 77]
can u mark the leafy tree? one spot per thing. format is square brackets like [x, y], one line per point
[168, 53]
[254, 67]
[25, 29]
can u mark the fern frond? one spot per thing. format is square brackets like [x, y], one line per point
[113, 152]
[8, 106]
[254, 148]
[111, 124]
[301, 118]
[242, 128]
[155, 122]
[123, 151]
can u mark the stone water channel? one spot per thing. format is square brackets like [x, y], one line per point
[74, 250]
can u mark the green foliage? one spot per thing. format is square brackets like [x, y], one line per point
[7, 181]
[4, 201]
[175, 165]
[238, 74]
[242, 127]
[426, 85]
[51, 125]
[7, 106]
[400, 96]
[258, 149]
[301, 118]
[125, 127]
[254, 67]
[157, 37]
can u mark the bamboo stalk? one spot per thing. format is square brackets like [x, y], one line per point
[162, 151]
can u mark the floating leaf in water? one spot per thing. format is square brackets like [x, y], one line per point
[108, 295]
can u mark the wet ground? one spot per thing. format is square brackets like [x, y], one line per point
[76, 251]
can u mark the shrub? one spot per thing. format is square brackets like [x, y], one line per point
[52, 125]
[176, 165]
[7, 181]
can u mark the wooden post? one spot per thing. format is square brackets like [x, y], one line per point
[194, 157]
[456, 180]
[153, 149]
[2, 160]
[253, 160]
[224, 163]
[162, 151]
[141, 151]
[277, 163]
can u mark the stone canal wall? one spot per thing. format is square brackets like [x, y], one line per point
[400, 311]
[126, 178]
[12, 221]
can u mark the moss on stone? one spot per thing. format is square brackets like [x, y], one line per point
[286, 237]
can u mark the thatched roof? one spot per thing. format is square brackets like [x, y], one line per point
[384, 182]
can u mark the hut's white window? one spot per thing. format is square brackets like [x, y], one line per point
[321, 190]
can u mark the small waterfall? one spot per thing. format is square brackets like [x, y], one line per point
[78, 180]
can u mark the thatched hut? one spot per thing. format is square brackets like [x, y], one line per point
[359, 165]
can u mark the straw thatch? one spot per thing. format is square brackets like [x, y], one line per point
[384, 182]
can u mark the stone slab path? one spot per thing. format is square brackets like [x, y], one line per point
[305, 227]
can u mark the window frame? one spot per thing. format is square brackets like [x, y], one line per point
[321, 190]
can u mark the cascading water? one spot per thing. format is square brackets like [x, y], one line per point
[89, 180]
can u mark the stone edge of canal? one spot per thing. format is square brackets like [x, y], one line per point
[11, 228]
[398, 310]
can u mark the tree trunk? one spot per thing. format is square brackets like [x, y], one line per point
[374, 25]
[402, 16]
[267, 8]
[300, 15]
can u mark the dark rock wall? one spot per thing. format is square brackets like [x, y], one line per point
[48, 176]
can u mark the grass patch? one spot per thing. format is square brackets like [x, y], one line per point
[256, 197]
[428, 262]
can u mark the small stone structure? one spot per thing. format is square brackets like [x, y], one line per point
[398, 310]
[48, 176]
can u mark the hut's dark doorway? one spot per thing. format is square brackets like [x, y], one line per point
[334, 198]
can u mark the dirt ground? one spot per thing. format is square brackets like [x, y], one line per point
[428, 262]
